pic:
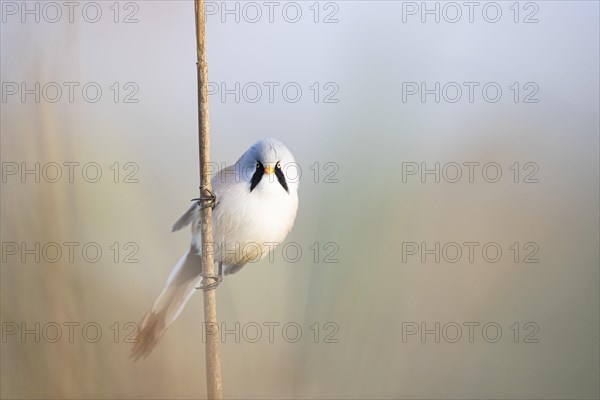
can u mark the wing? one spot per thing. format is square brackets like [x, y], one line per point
[218, 180]
[186, 218]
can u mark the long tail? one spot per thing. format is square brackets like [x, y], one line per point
[180, 287]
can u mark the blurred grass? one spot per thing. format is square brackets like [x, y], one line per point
[368, 214]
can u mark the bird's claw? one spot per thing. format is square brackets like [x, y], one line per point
[216, 280]
[206, 201]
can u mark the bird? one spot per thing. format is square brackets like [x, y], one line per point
[255, 206]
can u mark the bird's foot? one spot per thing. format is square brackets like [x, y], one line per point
[213, 282]
[206, 200]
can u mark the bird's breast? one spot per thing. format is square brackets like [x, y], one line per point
[247, 225]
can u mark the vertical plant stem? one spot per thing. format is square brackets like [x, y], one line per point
[213, 363]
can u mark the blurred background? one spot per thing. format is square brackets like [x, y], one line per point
[405, 276]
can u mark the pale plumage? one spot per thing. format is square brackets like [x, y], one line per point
[256, 204]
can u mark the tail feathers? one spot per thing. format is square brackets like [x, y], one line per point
[180, 287]
[153, 328]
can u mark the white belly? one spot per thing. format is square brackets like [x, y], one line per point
[247, 225]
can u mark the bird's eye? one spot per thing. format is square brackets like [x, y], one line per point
[258, 165]
[278, 165]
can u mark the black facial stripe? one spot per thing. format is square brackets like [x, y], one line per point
[258, 174]
[281, 178]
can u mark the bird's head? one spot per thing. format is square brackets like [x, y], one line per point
[269, 165]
